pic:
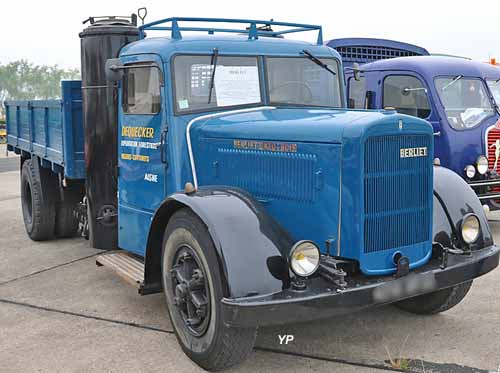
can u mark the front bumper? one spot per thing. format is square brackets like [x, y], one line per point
[486, 189]
[321, 299]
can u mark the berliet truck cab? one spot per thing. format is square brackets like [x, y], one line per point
[457, 96]
[247, 192]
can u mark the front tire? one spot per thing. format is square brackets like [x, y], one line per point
[193, 289]
[436, 302]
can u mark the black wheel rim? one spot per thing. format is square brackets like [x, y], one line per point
[191, 294]
[27, 202]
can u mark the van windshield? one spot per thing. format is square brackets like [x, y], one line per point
[494, 86]
[465, 101]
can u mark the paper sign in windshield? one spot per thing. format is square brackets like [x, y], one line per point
[237, 85]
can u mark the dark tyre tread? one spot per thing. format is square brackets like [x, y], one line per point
[43, 213]
[437, 302]
[229, 346]
[66, 222]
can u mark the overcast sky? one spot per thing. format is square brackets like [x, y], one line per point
[46, 32]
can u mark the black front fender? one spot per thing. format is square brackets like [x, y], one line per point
[252, 247]
[453, 199]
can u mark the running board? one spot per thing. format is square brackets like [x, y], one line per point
[128, 267]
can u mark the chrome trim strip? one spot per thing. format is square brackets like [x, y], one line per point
[489, 196]
[484, 183]
[486, 141]
[209, 116]
[340, 199]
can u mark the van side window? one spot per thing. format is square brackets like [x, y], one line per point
[407, 95]
[357, 93]
[141, 91]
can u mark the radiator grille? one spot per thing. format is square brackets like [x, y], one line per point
[397, 193]
[493, 136]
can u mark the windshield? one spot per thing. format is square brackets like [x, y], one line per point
[494, 86]
[465, 101]
[237, 82]
[301, 81]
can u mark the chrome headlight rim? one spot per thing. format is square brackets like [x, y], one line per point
[303, 245]
[471, 222]
[470, 171]
[482, 165]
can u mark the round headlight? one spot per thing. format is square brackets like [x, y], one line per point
[482, 165]
[470, 228]
[304, 258]
[470, 171]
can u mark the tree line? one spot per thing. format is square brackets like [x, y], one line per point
[22, 80]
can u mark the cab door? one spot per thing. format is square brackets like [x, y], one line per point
[141, 149]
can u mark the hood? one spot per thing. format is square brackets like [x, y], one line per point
[297, 125]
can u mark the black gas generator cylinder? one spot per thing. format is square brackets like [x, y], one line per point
[101, 40]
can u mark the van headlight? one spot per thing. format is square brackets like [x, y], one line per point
[470, 228]
[304, 258]
[482, 165]
[470, 171]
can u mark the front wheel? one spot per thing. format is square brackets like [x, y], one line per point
[193, 289]
[436, 302]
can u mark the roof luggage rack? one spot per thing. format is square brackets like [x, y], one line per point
[254, 29]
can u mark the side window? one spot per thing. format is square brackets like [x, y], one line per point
[407, 95]
[141, 90]
[357, 93]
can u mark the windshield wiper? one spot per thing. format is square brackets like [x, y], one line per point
[452, 82]
[213, 63]
[318, 62]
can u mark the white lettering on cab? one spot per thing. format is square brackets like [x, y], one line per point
[152, 178]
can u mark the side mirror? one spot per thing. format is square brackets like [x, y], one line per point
[357, 71]
[114, 70]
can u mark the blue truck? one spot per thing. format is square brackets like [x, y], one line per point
[224, 164]
[459, 97]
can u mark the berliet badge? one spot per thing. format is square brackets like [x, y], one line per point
[413, 152]
[496, 144]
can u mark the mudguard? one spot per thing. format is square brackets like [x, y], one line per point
[252, 247]
[453, 199]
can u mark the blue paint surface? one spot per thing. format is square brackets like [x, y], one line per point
[315, 192]
[50, 129]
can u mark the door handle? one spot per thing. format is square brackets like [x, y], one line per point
[162, 145]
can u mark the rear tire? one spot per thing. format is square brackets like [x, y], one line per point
[201, 332]
[66, 222]
[436, 302]
[38, 210]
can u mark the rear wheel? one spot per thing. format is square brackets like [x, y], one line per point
[38, 210]
[66, 221]
[436, 302]
[193, 289]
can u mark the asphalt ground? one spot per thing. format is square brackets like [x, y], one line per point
[61, 313]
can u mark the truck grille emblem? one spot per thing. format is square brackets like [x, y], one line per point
[496, 145]
[413, 152]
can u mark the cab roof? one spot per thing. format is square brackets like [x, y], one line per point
[432, 66]
[166, 47]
